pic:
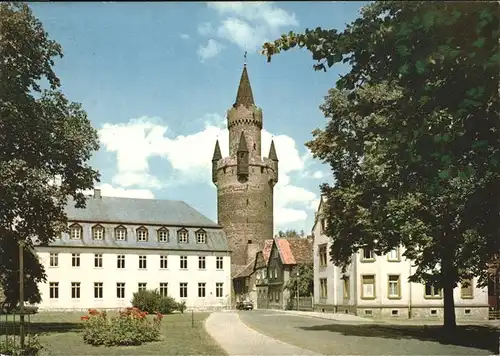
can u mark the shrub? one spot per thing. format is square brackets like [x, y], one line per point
[147, 300]
[152, 301]
[11, 346]
[167, 305]
[181, 306]
[130, 327]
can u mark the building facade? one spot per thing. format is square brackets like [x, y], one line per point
[245, 181]
[285, 255]
[118, 246]
[378, 286]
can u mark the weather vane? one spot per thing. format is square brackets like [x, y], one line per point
[245, 57]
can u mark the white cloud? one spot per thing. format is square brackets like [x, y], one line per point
[318, 175]
[107, 190]
[190, 157]
[249, 24]
[212, 49]
[184, 36]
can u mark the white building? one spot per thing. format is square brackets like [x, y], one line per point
[117, 246]
[378, 285]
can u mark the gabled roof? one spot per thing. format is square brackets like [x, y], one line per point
[266, 250]
[139, 211]
[294, 250]
[245, 271]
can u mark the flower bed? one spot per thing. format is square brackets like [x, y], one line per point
[131, 327]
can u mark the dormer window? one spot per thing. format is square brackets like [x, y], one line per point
[182, 236]
[97, 232]
[201, 237]
[120, 233]
[142, 234]
[75, 232]
[162, 235]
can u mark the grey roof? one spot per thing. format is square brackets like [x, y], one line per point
[141, 211]
[216, 241]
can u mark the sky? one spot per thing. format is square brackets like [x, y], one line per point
[156, 80]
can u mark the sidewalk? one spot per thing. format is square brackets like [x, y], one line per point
[238, 339]
[330, 316]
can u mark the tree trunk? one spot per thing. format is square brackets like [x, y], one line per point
[448, 274]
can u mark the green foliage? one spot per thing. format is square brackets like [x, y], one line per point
[305, 280]
[42, 136]
[130, 327]
[10, 345]
[152, 301]
[288, 233]
[412, 136]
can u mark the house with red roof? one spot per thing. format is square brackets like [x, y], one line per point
[285, 255]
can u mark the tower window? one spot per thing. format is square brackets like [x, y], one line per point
[249, 241]
[254, 146]
[247, 201]
[265, 203]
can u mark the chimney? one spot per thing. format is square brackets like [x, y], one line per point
[97, 194]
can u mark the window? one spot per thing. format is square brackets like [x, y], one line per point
[431, 291]
[162, 235]
[120, 261]
[98, 290]
[219, 289]
[323, 290]
[323, 225]
[54, 260]
[201, 237]
[120, 233]
[141, 286]
[322, 256]
[54, 290]
[75, 232]
[120, 290]
[467, 289]
[394, 287]
[347, 287]
[367, 255]
[98, 260]
[201, 262]
[142, 262]
[75, 260]
[75, 290]
[98, 232]
[219, 263]
[142, 234]
[184, 262]
[201, 290]
[182, 236]
[183, 290]
[393, 254]
[368, 287]
[163, 262]
[163, 289]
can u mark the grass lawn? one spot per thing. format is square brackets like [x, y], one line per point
[60, 333]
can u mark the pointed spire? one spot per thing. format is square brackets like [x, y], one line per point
[272, 152]
[217, 155]
[245, 95]
[242, 146]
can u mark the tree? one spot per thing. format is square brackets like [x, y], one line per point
[305, 280]
[413, 136]
[43, 136]
[288, 233]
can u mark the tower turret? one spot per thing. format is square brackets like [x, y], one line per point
[274, 158]
[242, 158]
[215, 158]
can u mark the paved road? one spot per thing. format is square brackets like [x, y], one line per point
[330, 337]
[238, 339]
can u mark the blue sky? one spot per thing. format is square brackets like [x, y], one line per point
[157, 78]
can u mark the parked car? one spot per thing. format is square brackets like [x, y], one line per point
[245, 305]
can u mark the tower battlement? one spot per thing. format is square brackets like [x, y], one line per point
[245, 181]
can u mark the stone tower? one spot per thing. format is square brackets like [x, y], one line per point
[245, 181]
